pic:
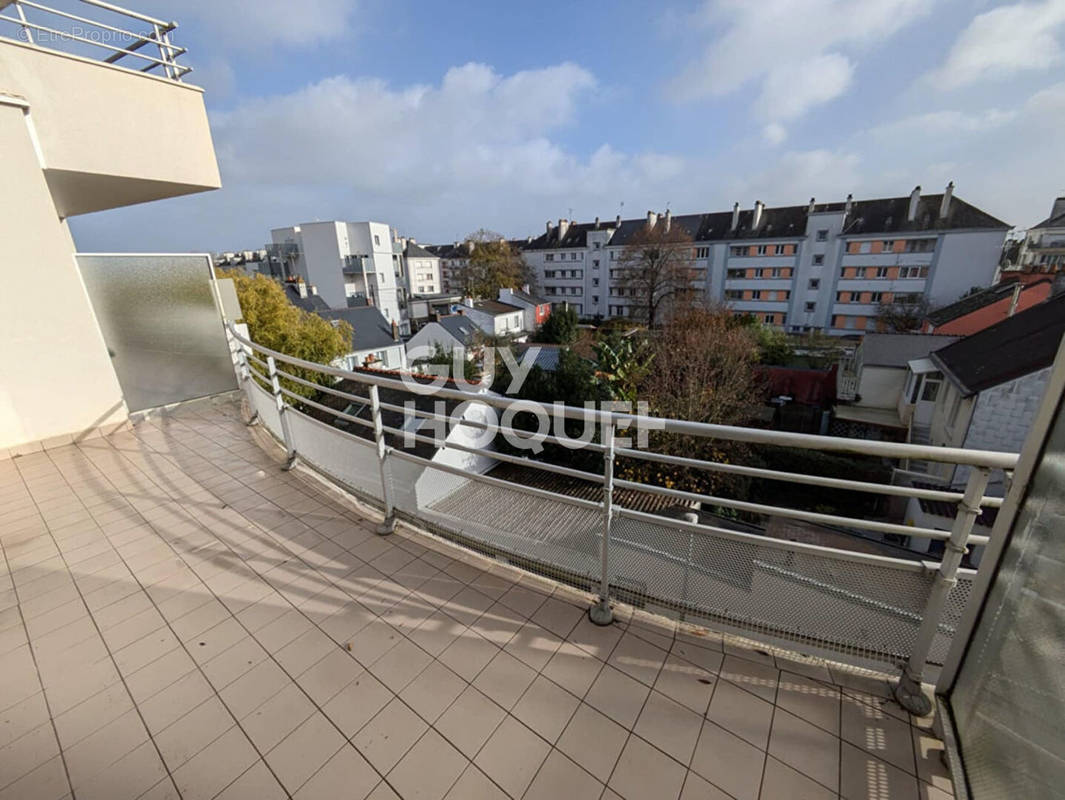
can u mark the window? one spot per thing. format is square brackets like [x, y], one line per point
[881, 272]
[597, 246]
[572, 256]
[595, 263]
[888, 245]
[733, 274]
[778, 250]
[733, 294]
[913, 272]
[702, 252]
[811, 306]
[595, 299]
[737, 251]
[595, 281]
[822, 235]
[549, 257]
[775, 272]
[759, 273]
[875, 297]
[376, 239]
[819, 259]
[920, 245]
[762, 249]
[756, 294]
[815, 283]
[769, 318]
[930, 391]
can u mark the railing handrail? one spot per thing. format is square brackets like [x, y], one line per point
[951, 455]
[158, 37]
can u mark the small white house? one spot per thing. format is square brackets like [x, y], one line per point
[374, 341]
[495, 318]
[455, 332]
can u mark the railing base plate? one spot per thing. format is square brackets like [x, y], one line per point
[600, 613]
[910, 695]
[387, 526]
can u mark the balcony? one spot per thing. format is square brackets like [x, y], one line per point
[190, 618]
[113, 122]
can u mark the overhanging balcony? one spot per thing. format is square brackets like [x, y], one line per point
[112, 121]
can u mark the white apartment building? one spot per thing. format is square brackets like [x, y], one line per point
[344, 260]
[422, 269]
[822, 266]
[1043, 247]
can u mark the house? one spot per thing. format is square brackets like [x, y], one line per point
[304, 295]
[374, 341]
[495, 318]
[984, 308]
[426, 308]
[536, 309]
[879, 368]
[423, 269]
[984, 390]
[1042, 250]
[450, 333]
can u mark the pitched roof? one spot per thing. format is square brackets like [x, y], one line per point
[885, 215]
[897, 349]
[974, 302]
[370, 329]
[311, 302]
[1017, 346]
[528, 298]
[460, 327]
[417, 251]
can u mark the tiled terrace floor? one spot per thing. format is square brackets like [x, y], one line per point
[181, 618]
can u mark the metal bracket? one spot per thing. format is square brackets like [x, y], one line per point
[601, 613]
[290, 464]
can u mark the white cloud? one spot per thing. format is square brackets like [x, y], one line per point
[792, 90]
[774, 133]
[1005, 41]
[797, 48]
[943, 124]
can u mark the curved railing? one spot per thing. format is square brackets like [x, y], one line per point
[857, 606]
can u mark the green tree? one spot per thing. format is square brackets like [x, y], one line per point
[624, 362]
[275, 323]
[559, 328]
[446, 358]
[493, 265]
[774, 346]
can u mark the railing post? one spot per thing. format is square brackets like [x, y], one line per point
[693, 518]
[22, 16]
[389, 523]
[600, 613]
[282, 408]
[245, 375]
[908, 692]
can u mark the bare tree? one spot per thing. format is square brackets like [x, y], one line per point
[904, 314]
[655, 271]
[493, 264]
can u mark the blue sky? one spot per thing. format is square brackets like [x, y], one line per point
[441, 118]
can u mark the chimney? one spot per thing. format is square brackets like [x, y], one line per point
[1058, 208]
[314, 289]
[395, 331]
[302, 288]
[467, 301]
[810, 208]
[669, 219]
[915, 198]
[617, 221]
[1015, 299]
[652, 218]
[944, 207]
[735, 217]
[549, 227]
[597, 223]
[756, 220]
[848, 205]
[469, 246]
[563, 226]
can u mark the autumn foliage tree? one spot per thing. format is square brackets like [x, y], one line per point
[277, 324]
[655, 271]
[703, 370]
[493, 264]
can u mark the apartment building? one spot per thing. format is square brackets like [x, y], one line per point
[344, 260]
[1042, 250]
[822, 266]
[453, 259]
[422, 269]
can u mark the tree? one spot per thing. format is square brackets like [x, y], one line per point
[493, 265]
[624, 362]
[704, 371]
[774, 346]
[276, 324]
[905, 314]
[559, 328]
[656, 271]
[442, 357]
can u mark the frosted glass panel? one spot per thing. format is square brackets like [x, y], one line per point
[161, 325]
[1009, 699]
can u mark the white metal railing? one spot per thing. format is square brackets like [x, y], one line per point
[790, 591]
[148, 50]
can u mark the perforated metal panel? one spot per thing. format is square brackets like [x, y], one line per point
[350, 460]
[263, 403]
